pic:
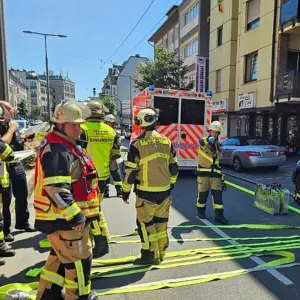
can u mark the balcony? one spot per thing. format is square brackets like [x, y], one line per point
[290, 17]
[288, 86]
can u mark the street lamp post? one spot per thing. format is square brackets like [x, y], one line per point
[45, 35]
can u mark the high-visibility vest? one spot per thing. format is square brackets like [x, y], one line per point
[100, 139]
[209, 162]
[4, 176]
[85, 190]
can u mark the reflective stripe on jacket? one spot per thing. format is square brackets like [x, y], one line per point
[63, 197]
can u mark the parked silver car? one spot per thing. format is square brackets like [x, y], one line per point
[249, 152]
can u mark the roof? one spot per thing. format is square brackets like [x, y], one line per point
[169, 14]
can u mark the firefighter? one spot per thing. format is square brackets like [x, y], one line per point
[6, 154]
[152, 157]
[66, 201]
[103, 146]
[210, 175]
[114, 168]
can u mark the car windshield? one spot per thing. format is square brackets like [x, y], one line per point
[256, 142]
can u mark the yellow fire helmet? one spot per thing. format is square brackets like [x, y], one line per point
[70, 112]
[215, 126]
[146, 117]
[109, 118]
[97, 108]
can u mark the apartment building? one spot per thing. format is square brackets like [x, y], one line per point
[185, 25]
[18, 91]
[254, 64]
[63, 87]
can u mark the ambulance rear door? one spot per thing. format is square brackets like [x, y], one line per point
[168, 117]
[192, 114]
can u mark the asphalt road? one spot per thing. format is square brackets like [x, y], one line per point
[284, 284]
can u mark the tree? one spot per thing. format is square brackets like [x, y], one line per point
[22, 109]
[110, 103]
[164, 71]
[35, 112]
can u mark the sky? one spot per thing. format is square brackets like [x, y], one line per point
[94, 29]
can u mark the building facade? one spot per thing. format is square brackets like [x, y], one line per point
[182, 31]
[119, 84]
[18, 91]
[63, 88]
[254, 63]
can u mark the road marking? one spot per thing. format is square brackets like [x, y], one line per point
[256, 259]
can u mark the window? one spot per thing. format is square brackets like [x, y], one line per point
[220, 35]
[253, 14]
[191, 49]
[192, 111]
[191, 14]
[251, 67]
[218, 81]
[168, 110]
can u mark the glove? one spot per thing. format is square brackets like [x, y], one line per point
[211, 139]
[224, 186]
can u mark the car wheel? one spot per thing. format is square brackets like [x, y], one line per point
[237, 164]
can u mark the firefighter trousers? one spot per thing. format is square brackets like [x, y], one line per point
[152, 221]
[2, 242]
[99, 228]
[68, 266]
[206, 184]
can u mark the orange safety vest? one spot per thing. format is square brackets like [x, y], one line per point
[85, 190]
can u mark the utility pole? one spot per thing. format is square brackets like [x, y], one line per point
[3, 58]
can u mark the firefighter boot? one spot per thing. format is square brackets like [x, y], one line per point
[6, 251]
[219, 217]
[101, 246]
[201, 212]
[147, 258]
[119, 190]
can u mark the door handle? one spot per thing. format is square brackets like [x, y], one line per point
[183, 135]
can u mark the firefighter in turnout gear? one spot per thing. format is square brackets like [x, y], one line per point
[102, 145]
[152, 167]
[114, 168]
[210, 175]
[6, 155]
[66, 201]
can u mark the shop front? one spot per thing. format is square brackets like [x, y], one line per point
[220, 113]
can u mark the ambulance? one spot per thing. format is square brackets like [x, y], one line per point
[184, 117]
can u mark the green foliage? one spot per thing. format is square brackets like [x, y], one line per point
[110, 103]
[22, 109]
[165, 71]
[35, 112]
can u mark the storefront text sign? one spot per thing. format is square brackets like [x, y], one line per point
[247, 101]
[219, 106]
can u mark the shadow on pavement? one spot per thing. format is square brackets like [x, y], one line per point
[21, 277]
[31, 242]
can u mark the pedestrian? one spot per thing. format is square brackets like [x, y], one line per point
[152, 167]
[209, 172]
[103, 146]
[114, 167]
[66, 201]
[18, 181]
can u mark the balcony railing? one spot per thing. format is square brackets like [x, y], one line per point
[289, 14]
[288, 85]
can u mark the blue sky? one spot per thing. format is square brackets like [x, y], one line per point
[95, 28]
